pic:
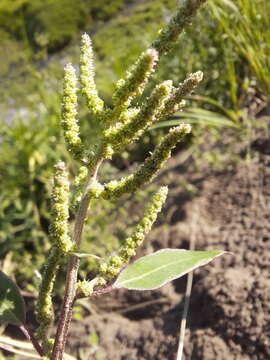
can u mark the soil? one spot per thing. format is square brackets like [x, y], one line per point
[229, 315]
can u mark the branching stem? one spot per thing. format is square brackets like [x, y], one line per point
[72, 271]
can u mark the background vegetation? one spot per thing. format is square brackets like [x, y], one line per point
[229, 41]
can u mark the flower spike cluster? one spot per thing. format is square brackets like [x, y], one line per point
[122, 124]
[125, 123]
[61, 245]
[129, 184]
[178, 22]
[69, 113]
[137, 77]
[87, 73]
[120, 136]
[175, 101]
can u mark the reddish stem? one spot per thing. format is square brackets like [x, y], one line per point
[103, 291]
[31, 337]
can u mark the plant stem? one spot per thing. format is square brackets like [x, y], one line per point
[72, 272]
[98, 292]
[30, 336]
[188, 289]
[184, 317]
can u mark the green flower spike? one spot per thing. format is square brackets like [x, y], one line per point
[96, 189]
[133, 85]
[44, 307]
[86, 287]
[69, 112]
[178, 22]
[59, 227]
[120, 136]
[116, 262]
[87, 73]
[128, 115]
[129, 184]
[175, 102]
[61, 244]
[78, 187]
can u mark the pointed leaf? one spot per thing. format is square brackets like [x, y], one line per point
[154, 270]
[12, 309]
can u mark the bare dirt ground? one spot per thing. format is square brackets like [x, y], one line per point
[229, 317]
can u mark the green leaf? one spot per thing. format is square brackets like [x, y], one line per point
[152, 271]
[80, 254]
[12, 308]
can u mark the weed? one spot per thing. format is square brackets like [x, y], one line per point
[120, 125]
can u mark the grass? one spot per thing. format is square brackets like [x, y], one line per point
[246, 23]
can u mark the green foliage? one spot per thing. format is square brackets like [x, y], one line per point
[12, 17]
[154, 270]
[12, 308]
[30, 29]
[103, 10]
[224, 22]
[233, 52]
[203, 50]
[26, 158]
[148, 16]
[52, 23]
[195, 116]
[232, 49]
[246, 24]
[11, 50]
